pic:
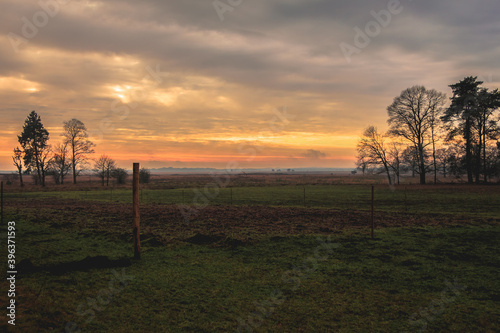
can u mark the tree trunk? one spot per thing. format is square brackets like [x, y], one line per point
[422, 164]
[43, 177]
[484, 157]
[388, 173]
[73, 161]
[21, 177]
[468, 155]
[478, 156]
[434, 157]
[38, 172]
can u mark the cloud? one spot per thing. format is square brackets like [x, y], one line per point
[226, 78]
[314, 154]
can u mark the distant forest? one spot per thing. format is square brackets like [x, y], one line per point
[430, 136]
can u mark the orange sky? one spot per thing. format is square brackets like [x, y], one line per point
[171, 84]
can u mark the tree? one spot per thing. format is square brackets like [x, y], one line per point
[144, 176]
[17, 158]
[395, 159]
[410, 160]
[460, 116]
[361, 164]
[443, 157]
[33, 140]
[435, 125]
[45, 162]
[120, 175]
[411, 117]
[371, 148]
[486, 127]
[61, 165]
[103, 167]
[492, 162]
[75, 134]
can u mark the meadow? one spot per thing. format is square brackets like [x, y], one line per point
[264, 254]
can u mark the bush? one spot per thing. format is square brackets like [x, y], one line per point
[144, 176]
[120, 175]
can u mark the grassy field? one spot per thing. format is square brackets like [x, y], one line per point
[264, 261]
[440, 199]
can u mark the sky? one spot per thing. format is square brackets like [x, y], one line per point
[254, 84]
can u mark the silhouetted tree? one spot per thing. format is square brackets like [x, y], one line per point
[486, 127]
[492, 162]
[61, 165]
[362, 164]
[443, 156]
[460, 117]
[144, 176]
[411, 117]
[103, 167]
[371, 148]
[33, 140]
[395, 159]
[435, 126]
[17, 158]
[410, 160]
[75, 134]
[120, 175]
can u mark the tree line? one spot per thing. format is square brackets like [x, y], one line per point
[72, 155]
[426, 135]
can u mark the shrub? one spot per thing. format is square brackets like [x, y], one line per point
[120, 175]
[144, 176]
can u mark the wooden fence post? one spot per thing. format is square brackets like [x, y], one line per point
[137, 220]
[373, 212]
[1, 199]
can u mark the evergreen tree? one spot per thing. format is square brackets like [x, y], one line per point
[33, 140]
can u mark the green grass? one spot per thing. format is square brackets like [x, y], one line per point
[362, 285]
[467, 201]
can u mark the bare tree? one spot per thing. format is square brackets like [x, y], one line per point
[411, 117]
[443, 158]
[103, 168]
[410, 160]
[76, 137]
[17, 158]
[61, 165]
[362, 164]
[371, 147]
[395, 159]
[45, 162]
[436, 112]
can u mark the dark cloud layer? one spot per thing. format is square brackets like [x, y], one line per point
[224, 78]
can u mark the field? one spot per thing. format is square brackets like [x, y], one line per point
[263, 253]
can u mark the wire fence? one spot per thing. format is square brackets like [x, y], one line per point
[402, 199]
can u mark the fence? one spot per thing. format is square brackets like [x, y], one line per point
[399, 199]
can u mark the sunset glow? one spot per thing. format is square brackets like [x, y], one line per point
[170, 84]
